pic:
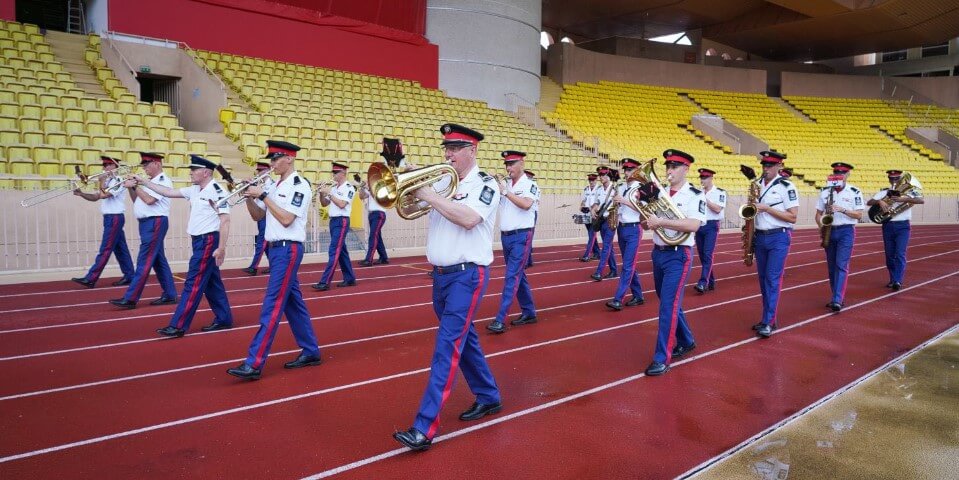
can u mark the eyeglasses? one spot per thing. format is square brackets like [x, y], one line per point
[672, 165]
[455, 147]
[768, 164]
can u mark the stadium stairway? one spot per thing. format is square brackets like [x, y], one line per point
[69, 49]
[232, 157]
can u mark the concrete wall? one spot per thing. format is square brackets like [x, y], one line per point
[824, 85]
[638, 48]
[487, 49]
[730, 134]
[942, 90]
[570, 64]
[97, 16]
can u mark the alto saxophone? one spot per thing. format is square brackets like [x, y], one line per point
[825, 230]
[748, 213]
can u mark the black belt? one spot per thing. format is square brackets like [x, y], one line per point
[197, 237]
[282, 243]
[850, 225]
[771, 231]
[664, 248]
[712, 221]
[340, 216]
[514, 232]
[628, 224]
[150, 218]
[459, 267]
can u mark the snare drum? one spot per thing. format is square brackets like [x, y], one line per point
[582, 218]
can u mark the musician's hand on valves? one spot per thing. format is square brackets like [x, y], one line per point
[130, 182]
[503, 186]
[253, 191]
[427, 194]
[325, 190]
[884, 206]
[654, 222]
[762, 207]
[138, 179]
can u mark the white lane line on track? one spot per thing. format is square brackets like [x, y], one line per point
[607, 386]
[528, 411]
[394, 307]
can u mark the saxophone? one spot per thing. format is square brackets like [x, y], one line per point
[825, 230]
[613, 219]
[748, 213]
[661, 206]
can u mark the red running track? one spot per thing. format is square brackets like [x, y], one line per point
[89, 390]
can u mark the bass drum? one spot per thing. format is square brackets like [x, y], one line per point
[582, 219]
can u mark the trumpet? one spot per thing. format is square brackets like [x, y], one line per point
[118, 175]
[392, 188]
[236, 196]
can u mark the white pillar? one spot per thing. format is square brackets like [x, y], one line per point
[487, 49]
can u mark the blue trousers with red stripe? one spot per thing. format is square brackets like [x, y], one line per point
[259, 243]
[770, 251]
[283, 297]
[152, 232]
[203, 278]
[456, 299]
[895, 239]
[516, 249]
[529, 259]
[838, 254]
[377, 220]
[608, 257]
[114, 242]
[706, 238]
[670, 269]
[592, 246]
[339, 227]
[629, 237]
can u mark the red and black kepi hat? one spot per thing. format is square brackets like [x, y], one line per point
[454, 134]
[279, 148]
[602, 170]
[108, 160]
[629, 163]
[340, 167]
[894, 173]
[705, 173]
[147, 157]
[197, 161]
[591, 176]
[677, 156]
[771, 156]
[510, 156]
[841, 167]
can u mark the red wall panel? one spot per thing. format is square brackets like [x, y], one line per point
[408, 15]
[281, 32]
[8, 10]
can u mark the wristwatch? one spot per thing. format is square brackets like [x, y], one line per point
[262, 196]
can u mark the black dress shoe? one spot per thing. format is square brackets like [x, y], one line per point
[635, 301]
[216, 326]
[680, 350]
[496, 327]
[896, 286]
[303, 360]
[366, 263]
[346, 283]
[480, 410]
[383, 261]
[611, 275]
[121, 282]
[596, 277]
[169, 331]
[250, 271]
[756, 326]
[656, 369]
[594, 257]
[84, 282]
[413, 439]
[245, 372]
[615, 305]
[321, 286]
[764, 331]
[127, 304]
[889, 285]
[164, 301]
[523, 319]
[711, 287]
[699, 288]
[834, 306]
[584, 259]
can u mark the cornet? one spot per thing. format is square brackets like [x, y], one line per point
[236, 196]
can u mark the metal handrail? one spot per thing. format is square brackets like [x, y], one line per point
[179, 44]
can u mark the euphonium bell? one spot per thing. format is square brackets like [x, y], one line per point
[393, 188]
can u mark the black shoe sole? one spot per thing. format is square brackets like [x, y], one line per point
[491, 411]
[301, 365]
[244, 377]
[412, 446]
[648, 374]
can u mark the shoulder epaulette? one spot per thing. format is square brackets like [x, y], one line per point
[785, 182]
[695, 190]
[296, 180]
[823, 189]
[161, 177]
[216, 187]
[720, 189]
[485, 176]
[854, 189]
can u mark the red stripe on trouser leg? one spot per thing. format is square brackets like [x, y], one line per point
[111, 239]
[275, 314]
[194, 297]
[455, 360]
[376, 235]
[339, 246]
[148, 262]
[671, 340]
[781, 276]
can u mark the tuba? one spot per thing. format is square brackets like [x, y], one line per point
[748, 213]
[907, 185]
[660, 206]
[394, 188]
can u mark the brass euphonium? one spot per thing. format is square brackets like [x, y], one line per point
[748, 212]
[394, 188]
[908, 185]
[662, 206]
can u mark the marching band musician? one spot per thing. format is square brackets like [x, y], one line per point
[671, 264]
[259, 241]
[608, 255]
[777, 210]
[629, 235]
[847, 208]
[589, 198]
[339, 198]
[285, 206]
[895, 232]
[532, 177]
[376, 215]
[114, 241]
[209, 226]
[153, 216]
[516, 222]
[460, 246]
[707, 235]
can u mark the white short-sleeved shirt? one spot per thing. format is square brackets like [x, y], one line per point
[780, 195]
[512, 217]
[587, 196]
[717, 196]
[114, 203]
[267, 186]
[601, 193]
[371, 204]
[692, 203]
[627, 214]
[161, 207]
[204, 215]
[850, 198]
[535, 207]
[904, 216]
[343, 192]
[448, 243]
[598, 193]
[294, 195]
